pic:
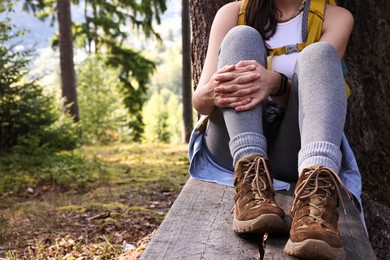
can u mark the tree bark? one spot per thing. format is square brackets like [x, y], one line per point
[68, 75]
[187, 79]
[202, 15]
[368, 122]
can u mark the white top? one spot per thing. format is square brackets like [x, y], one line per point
[287, 33]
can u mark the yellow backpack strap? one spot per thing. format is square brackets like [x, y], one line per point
[316, 18]
[284, 50]
[241, 14]
[313, 28]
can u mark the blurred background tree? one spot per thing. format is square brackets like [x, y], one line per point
[165, 94]
[187, 75]
[104, 117]
[105, 31]
[65, 41]
[28, 116]
[106, 89]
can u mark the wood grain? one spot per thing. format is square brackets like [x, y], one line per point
[198, 226]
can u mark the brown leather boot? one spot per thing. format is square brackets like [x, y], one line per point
[314, 233]
[255, 209]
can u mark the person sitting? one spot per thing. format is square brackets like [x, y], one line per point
[282, 122]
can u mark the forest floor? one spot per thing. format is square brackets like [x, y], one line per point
[111, 219]
[104, 202]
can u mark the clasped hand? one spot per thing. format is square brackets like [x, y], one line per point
[241, 86]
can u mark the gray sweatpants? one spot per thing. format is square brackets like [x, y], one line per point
[312, 126]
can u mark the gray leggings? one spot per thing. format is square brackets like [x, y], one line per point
[311, 129]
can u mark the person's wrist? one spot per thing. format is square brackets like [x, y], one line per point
[282, 87]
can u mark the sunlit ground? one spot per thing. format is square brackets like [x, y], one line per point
[126, 202]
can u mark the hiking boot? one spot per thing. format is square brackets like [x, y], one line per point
[255, 209]
[314, 233]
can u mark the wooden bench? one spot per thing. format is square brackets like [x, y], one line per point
[198, 226]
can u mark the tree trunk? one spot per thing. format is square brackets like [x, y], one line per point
[68, 75]
[368, 123]
[202, 15]
[187, 79]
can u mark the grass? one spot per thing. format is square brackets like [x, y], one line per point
[88, 203]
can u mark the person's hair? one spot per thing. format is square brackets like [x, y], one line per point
[261, 15]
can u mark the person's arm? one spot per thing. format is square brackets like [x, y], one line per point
[337, 28]
[240, 86]
[203, 98]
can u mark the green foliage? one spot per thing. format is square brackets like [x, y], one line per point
[163, 111]
[162, 115]
[104, 118]
[134, 75]
[156, 116]
[104, 32]
[105, 20]
[63, 134]
[169, 66]
[161, 127]
[25, 111]
[135, 176]
[22, 168]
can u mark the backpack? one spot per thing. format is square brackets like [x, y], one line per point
[313, 17]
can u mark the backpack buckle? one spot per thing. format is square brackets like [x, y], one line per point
[290, 48]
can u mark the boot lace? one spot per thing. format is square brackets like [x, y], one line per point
[257, 173]
[321, 182]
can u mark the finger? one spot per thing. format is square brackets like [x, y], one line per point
[226, 68]
[243, 102]
[237, 78]
[238, 90]
[226, 76]
[245, 63]
[226, 88]
[245, 107]
[247, 78]
[250, 67]
[233, 102]
[254, 102]
[246, 92]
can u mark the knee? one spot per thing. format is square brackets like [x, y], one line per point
[318, 52]
[319, 65]
[242, 43]
[244, 36]
[318, 58]
[243, 31]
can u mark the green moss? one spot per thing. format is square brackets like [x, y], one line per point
[72, 208]
[117, 215]
[110, 220]
[135, 174]
[160, 218]
[68, 170]
[107, 206]
[139, 209]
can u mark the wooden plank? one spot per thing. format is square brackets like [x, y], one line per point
[198, 226]
[356, 243]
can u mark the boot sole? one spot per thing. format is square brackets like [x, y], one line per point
[265, 223]
[314, 249]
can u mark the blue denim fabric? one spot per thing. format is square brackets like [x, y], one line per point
[203, 168]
